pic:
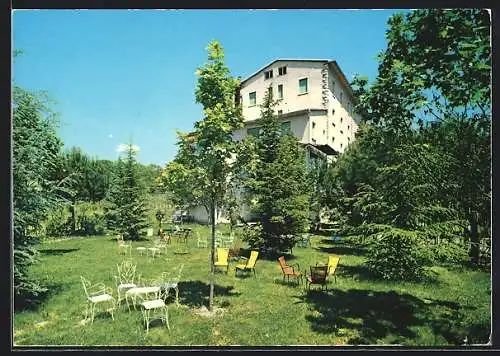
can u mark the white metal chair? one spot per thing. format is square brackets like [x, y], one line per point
[154, 309]
[201, 240]
[125, 279]
[98, 296]
[125, 247]
[171, 281]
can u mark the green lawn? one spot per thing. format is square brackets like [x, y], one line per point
[357, 309]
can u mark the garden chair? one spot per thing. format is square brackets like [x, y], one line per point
[318, 275]
[171, 281]
[333, 262]
[218, 239]
[125, 247]
[222, 258]
[201, 240]
[289, 270]
[154, 310]
[125, 278]
[250, 265]
[228, 240]
[158, 247]
[98, 296]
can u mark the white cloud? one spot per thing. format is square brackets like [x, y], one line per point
[110, 135]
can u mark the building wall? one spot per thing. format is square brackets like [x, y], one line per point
[326, 90]
[341, 124]
[298, 124]
[292, 100]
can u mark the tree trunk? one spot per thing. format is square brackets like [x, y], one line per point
[474, 240]
[212, 256]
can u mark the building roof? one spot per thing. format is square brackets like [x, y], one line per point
[292, 114]
[332, 63]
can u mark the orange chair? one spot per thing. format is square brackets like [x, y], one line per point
[289, 270]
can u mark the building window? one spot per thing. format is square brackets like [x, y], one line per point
[341, 132]
[303, 86]
[341, 119]
[285, 127]
[349, 139]
[313, 125]
[254, 131]
[348, 127]
[324, 132]
[270, 91]
[333, 112]
[252, 98]
[281, 70]
[268, 74]
[340, 145]
[280, 112]
[333, 139]
[333, 124]
[280, 91]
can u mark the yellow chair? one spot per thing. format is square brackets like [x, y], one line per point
[250, 265]
[222, 258]
[333, 262]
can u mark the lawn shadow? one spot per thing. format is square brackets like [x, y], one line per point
[376, 315]
[196, 293]
[343, 250]
[33, 302]
[58, 251]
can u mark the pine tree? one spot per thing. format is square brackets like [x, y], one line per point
[278, 188]
[127, 214]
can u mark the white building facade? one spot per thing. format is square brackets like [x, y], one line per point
[313, 98]
[314, 101]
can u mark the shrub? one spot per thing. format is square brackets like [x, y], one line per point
[90, 218]
[58, 223]
[396, 254]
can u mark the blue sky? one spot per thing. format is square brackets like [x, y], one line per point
[121, 75]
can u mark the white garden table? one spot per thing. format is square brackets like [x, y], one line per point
[141, 292]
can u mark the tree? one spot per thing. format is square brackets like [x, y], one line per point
[127, 215]
[35, 146]
[277, 182]
[435, 77]
[202, 170]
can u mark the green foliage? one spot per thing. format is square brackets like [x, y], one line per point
[277, 183]
[397, 254]
[127, 212]
[424, 165]
[58, 223]
[202, 172]
[35, 147]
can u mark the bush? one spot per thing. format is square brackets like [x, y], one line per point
[397, 254]
[449, 253]
[90, 219]
[58, 223]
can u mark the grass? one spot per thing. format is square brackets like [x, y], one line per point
[258, 311]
